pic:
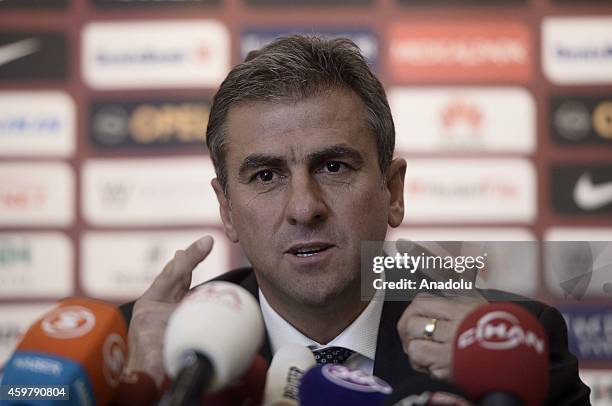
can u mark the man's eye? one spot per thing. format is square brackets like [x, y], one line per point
[264, 176]
[334, 166]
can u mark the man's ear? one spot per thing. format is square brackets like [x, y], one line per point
[225, 211]
[395, 184]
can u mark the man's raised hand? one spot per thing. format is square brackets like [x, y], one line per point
[153, 309]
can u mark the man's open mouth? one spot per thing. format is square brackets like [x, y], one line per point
[308, 250]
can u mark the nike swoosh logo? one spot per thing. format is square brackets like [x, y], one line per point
[16, 50]
[589, 196]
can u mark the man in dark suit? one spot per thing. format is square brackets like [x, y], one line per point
[302, 140]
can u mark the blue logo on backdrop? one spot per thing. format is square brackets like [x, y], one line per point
[585, 53]
[590, 331]
[16, 125]
[252, 39]
[144, 57]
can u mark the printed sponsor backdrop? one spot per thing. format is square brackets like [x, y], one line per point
[503, 110]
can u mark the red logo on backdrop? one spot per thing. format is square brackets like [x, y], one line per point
[22, 196]
[475, 189]
[459, 113]
[500, 330]
[466, 51]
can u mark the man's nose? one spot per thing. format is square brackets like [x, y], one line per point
[305, 203]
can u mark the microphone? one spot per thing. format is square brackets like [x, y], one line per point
[285, 373]
[500, 356]
[247, 390]
[337, 385]
[421, 390]
[210, 340]
[136, 388]
[81, 344]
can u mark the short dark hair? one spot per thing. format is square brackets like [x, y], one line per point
[294, 68]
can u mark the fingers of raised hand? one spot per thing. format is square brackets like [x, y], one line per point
[428, 305]
[146, 337]
[429, 357]
[153, 309]
[414, 328]
[173, 282]
[431, 352]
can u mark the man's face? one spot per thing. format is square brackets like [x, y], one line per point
[304, 189]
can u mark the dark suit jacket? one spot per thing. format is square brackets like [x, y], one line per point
[392, 364]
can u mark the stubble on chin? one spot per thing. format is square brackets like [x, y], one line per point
[317, 291]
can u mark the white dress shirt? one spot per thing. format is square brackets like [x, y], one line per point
[360, 336]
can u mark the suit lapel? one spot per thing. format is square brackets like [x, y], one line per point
[250, 284]
[391, 363]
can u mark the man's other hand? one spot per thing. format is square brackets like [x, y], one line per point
[433, 355]
[153, 309]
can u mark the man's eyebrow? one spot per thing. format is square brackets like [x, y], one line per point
[336, 152]
[255, 161]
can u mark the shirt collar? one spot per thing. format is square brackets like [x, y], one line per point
[360, 336]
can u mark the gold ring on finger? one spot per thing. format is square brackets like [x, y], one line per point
[430, 329]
